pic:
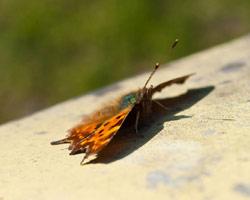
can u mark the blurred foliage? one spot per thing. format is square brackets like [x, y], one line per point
[52, 50]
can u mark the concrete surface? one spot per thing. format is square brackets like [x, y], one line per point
[200, 150]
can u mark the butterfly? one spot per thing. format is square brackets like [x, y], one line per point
[93, 135]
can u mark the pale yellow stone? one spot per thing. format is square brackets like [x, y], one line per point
[203, 154]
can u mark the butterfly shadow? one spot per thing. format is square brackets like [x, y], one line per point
[126, 141]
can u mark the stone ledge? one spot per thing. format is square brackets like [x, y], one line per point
[198, 151]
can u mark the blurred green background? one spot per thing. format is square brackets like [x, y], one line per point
[53, 50]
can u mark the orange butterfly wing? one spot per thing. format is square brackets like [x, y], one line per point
[78, 133]
[92, 123]
[96, 141]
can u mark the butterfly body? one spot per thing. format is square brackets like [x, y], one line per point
[91, 136]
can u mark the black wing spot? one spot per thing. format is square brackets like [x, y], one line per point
[106, 124]
[119, 116]
[98, 125]
[101, 131]
[117, 124]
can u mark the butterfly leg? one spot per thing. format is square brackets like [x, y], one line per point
[161, 105]
[137, 121]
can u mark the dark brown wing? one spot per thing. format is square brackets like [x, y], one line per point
[179, 80]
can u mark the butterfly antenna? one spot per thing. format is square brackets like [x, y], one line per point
[157, 65]
[175, 43]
